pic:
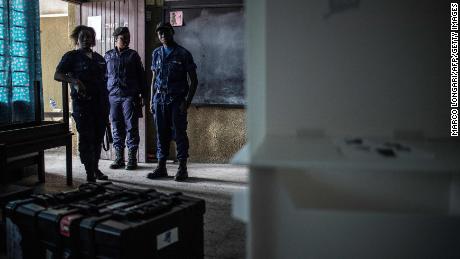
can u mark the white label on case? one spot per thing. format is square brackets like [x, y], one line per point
[167, 238]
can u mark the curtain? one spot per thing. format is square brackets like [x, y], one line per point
[20, 62]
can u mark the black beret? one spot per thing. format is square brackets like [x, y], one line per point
[120, 30]
[164, 25]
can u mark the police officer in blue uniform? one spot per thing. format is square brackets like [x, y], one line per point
[85, 71]
[172, 67]
[126, 86]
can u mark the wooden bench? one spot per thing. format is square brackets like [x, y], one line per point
[24, 145]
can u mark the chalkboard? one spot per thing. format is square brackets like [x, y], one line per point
[215, 37]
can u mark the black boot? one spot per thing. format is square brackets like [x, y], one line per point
[119, 161]
[98, 174]
[132, 160]
[182, 173]
[89, 167]
[160, 171]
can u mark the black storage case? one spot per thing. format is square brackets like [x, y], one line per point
[170, 233]
[21, 217]
[113, 222]
[60, 225]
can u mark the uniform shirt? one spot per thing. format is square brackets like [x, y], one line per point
[90, 71]
[171, 70]
[167, 50]
[125, 73]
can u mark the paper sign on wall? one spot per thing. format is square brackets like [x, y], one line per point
[176, 18]
[96, 23]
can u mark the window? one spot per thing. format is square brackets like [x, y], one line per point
[19, 59]
[3, 61]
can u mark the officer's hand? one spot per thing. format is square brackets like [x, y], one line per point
[152, 108]
[80, 87]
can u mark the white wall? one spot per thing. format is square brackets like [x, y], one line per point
[365, 71]
[375, 70]
[255, 50]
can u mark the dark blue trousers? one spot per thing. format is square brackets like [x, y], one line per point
[91, 120]
[125, 122]
[171, 123]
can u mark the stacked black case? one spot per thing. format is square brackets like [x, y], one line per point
[106, 221]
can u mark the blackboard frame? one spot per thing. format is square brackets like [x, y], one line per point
[197, 4]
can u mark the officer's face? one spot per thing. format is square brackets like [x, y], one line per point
[165, 36]
[123, 40]
[85, 39]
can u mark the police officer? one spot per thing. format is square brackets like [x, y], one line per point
[172, 66]
[85, 71]
[126, 86]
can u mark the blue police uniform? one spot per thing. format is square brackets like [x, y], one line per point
[171, 87]
[125, 83]
[90, 113]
